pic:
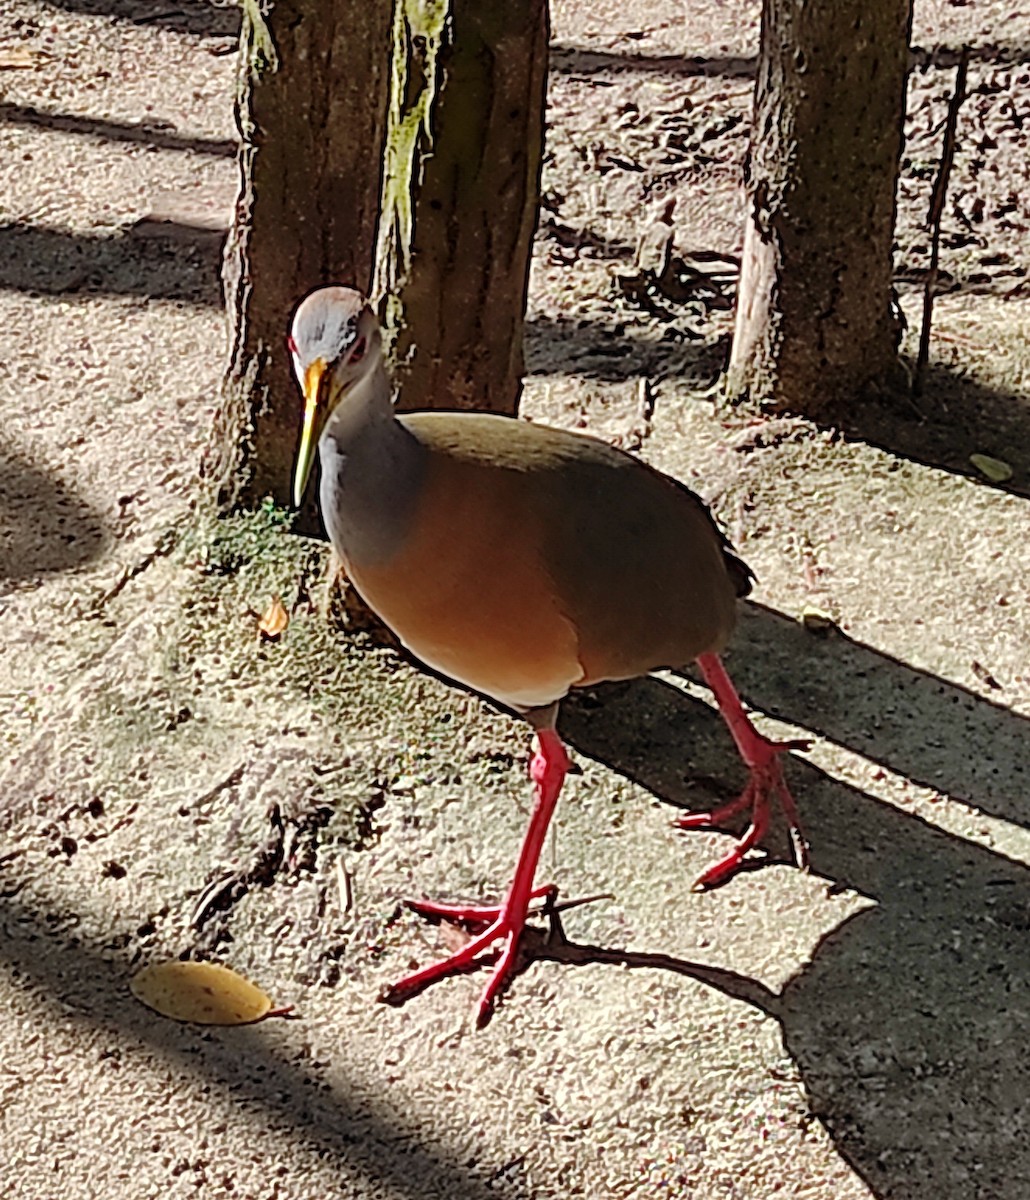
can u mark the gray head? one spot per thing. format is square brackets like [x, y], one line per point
[335, 343]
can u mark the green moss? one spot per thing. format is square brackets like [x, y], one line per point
[237, 566]
[202, 685]
[260, 54]
[419, 34]
[234, 544]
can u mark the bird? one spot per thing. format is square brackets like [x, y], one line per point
[523, 562]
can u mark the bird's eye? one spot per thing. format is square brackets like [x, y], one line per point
[291, 345]
[358, 353]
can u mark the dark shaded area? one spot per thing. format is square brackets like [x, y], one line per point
[917, 725]
[932, 731]
[583, 242]
[1008, 284]
[582, 60]
[197, 17]
[182, 264]
[240, 1062]
[160, 135]
[44, 527]
[946, 57]
[617, 352]
[956, 416]
[579, 60]
[905, 1022]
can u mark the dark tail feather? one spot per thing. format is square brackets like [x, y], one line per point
[738, 571]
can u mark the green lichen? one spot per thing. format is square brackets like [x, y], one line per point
[420, 33]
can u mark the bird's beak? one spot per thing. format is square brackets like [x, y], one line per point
[316, 410]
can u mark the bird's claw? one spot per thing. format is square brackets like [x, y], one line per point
[474, 917]
[766, 780]
[486, 926]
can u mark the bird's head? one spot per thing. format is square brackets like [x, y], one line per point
[334, 343]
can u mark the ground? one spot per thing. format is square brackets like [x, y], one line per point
[172, 784]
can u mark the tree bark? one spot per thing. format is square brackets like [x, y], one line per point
[464, 151]
[815, 323]
[311, 112]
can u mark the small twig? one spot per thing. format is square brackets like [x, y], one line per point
[508, 1166]
[213, 897]
[229, 781]
[165, 544]
[549, 908]
[345, 886]
[940, 190]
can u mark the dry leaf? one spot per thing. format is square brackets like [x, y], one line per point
[274, 619]
[201, 992]
[994, 469]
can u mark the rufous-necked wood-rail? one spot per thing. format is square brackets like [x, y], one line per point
[522, 561]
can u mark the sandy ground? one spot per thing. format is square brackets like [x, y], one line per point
[172, 785]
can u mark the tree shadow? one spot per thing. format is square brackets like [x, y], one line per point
[584, 241]
[907, 1023]
[954, 417]
[181, 262]
[197, 17]
[617, 352]
[946, 57]
[44, 527]
[936, 733]
[361, 1137]
[158, 135]
[582, 60]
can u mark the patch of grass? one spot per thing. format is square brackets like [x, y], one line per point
[229, 545]
[236, 566]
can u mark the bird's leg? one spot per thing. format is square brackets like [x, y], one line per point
[762, 757]
[503, 923]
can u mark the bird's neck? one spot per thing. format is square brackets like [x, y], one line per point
[372, 470]
[368, 405]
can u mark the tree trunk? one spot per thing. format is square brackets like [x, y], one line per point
[815, 323]
[460, 201]
[311, 111]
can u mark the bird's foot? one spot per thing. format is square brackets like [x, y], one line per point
[765, 784]
[496, 931]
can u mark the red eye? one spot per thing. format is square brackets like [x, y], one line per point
[358, 353]
[291, 345]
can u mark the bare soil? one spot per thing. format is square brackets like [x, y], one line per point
[172, 784]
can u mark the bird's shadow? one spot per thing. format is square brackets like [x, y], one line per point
[908, 1021]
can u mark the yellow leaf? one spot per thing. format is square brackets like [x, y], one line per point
[274, 619]
[994, 469]
[816, 620]
[204, 993]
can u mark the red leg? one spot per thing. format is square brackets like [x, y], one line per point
[504, 923]
[766, 782]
